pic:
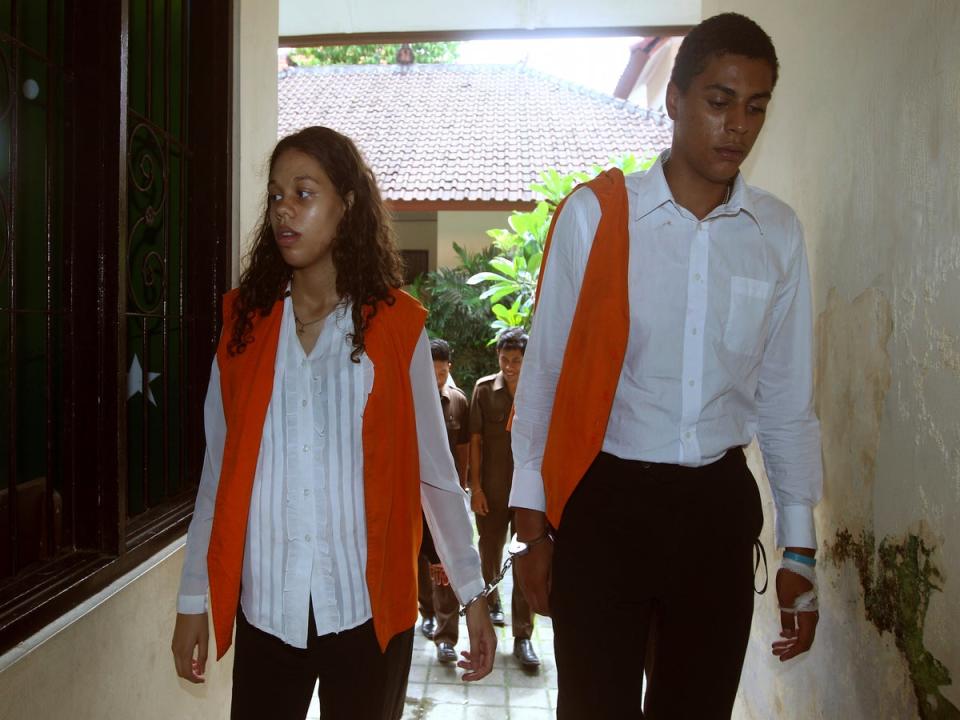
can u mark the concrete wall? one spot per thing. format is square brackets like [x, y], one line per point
[468, 229]
[254, 116]
[307, 17]
[863, 139]
[112, 661]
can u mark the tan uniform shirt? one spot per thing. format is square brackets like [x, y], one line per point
[456, 416]
[489, 412]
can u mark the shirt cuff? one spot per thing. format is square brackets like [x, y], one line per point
[795, 527]
[470, 591]
[191, 604]
[527, 491]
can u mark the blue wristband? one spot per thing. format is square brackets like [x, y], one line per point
[789, 555]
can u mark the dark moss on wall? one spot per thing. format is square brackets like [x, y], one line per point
[897, 580]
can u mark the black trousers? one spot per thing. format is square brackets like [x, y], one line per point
[645, 549]
[357, 682]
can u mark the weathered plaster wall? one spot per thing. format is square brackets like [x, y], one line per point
[863, 139]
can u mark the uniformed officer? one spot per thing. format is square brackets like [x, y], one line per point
[491, 473]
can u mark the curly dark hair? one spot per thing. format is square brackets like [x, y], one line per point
[727, 33]
[364, 251]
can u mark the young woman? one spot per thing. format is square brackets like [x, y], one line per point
[324, 438]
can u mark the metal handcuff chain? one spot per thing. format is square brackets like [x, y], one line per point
[516, 548]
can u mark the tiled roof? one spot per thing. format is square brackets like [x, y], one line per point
[465, 132]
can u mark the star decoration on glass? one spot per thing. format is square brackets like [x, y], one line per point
[135, 380]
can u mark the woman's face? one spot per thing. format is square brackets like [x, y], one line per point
[305, 210]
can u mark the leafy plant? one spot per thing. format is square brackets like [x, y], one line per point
[429, 52]
[459, 315]
[511, 280]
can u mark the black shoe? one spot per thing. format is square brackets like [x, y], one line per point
[523, 651]
[446, 653]
[428, 627]
[497, 618]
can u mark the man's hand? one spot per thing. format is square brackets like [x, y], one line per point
[438, 575]
[478, 502]
[478, 660]
[798, 628]
[191, 632]
[534, 569]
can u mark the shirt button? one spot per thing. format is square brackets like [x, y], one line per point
[303, 403]
[306, 537]
[306, 448]
[694, 331]
[306, 492]
[687, 435]
[697, 277]
[691, 383]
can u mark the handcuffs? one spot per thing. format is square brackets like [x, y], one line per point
[516, 548]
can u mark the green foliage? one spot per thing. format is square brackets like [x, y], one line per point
[459, 315]
[511, 282]
[430, 52]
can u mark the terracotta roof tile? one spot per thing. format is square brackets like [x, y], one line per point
[466, 132]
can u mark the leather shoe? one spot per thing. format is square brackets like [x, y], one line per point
[497, 618]
[523, 651]
[446, 653]
[428, 627]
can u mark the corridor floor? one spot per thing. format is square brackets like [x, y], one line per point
[435, 691]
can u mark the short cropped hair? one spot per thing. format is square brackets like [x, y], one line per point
[514, 338]
[440, 350]
[725, 34]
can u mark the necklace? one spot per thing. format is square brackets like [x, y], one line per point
[300, 324]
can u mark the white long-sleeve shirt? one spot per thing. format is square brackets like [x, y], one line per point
[719, 348]
[306, 532]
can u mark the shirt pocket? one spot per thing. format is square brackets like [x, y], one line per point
[745, 330]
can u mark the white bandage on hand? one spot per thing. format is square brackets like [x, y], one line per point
[805, 602]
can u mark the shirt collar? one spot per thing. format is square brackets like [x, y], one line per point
[651, 191]
[500, 382]
[444, 391]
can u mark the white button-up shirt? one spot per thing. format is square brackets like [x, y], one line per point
[306, 533]
[719, 349]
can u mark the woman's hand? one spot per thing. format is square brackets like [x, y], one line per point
[438, 575]
[191, 632]
[478, 502]
[478, 661]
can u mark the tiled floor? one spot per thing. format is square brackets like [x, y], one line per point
[435, 691]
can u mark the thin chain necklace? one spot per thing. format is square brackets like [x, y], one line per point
[300, 324]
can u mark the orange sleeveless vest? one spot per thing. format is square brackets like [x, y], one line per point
[391, 466]
[595, 349]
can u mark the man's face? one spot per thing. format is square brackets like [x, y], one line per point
[718, 118]
[441, 369]
[510, 362]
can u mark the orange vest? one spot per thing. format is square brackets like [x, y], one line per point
[595, 349]
[391, 466]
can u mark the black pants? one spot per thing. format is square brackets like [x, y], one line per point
[492, 531]
[357, 682]
[656, 549]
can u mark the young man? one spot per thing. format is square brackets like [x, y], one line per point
[438, 603]
[673, 325]
[491, 471]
